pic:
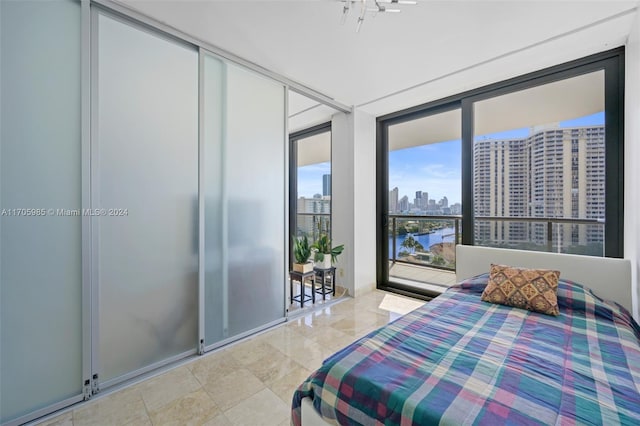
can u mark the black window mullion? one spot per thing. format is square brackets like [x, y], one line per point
[614, 157]
[467, 172]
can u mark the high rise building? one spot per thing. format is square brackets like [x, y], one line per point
[403, 204]
[326, 185]
[307, 224]
[393, 200]
[553, 173]
[421, 202]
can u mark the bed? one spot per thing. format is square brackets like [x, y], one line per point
[458, 360]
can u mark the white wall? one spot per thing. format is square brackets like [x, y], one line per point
[632, 159]
[354, 199]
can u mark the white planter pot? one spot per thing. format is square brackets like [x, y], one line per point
[325, 263]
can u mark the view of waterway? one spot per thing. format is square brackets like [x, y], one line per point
[444, 235]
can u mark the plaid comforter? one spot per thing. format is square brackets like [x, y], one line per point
[458, 360]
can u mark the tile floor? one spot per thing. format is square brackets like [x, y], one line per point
[249, 383]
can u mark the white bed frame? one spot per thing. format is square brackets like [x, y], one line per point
[609, 278]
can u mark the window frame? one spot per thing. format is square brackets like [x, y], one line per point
[611, 61]
[293, 177]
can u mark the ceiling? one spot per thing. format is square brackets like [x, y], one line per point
[541, 106]
[397, 60]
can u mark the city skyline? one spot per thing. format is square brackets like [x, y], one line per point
[434, 168]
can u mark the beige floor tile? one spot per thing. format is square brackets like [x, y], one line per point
[398, 304]
[263, 408]
[219, 420]
[364, 320]
[233, 388]
[61, 420]
[121, 408]
[252, 350]
[281, 337]
[307, 353]
[325, 317]
[270, 369]
[332, 338]
[195, 408]
[214, 366]
[348, 306]
[285, 386]
[161, 390]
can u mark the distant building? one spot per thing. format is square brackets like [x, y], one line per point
[554, 173]
[326, 185]
[307, 224]
[393, 200]
[421, 201]
[403, 204]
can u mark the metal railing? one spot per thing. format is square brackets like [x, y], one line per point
[548, 221]
[395, 218]
[455, 222]
[319, 223]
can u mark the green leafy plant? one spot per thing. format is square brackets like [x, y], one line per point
[301, 249]
[322, 246]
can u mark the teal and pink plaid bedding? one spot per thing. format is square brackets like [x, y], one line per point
[459, 361]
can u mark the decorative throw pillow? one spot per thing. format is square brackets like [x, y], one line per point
[532, 289]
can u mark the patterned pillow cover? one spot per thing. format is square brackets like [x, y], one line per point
[532, 289]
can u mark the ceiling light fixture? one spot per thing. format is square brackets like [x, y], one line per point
[372, 6]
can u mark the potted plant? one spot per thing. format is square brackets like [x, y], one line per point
[324, 253]
[301, 254]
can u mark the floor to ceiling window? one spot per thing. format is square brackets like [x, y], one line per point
[310, 182]
[424, 198]
[539, 166]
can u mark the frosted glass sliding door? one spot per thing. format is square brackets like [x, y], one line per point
[255, 177]
[41, 266]
[146, 190]
[245, 204]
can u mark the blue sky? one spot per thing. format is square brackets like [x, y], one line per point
[310, 179]
[434, 168]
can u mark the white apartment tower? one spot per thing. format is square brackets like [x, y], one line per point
[317, 209]
[553, 173]
[393, 200]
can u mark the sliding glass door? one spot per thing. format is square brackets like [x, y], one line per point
[145, 190]
[424, 203]
[244, 201]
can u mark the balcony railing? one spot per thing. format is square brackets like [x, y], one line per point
[426, 240]
[313, 224]
[562, 235]
[436, 237]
